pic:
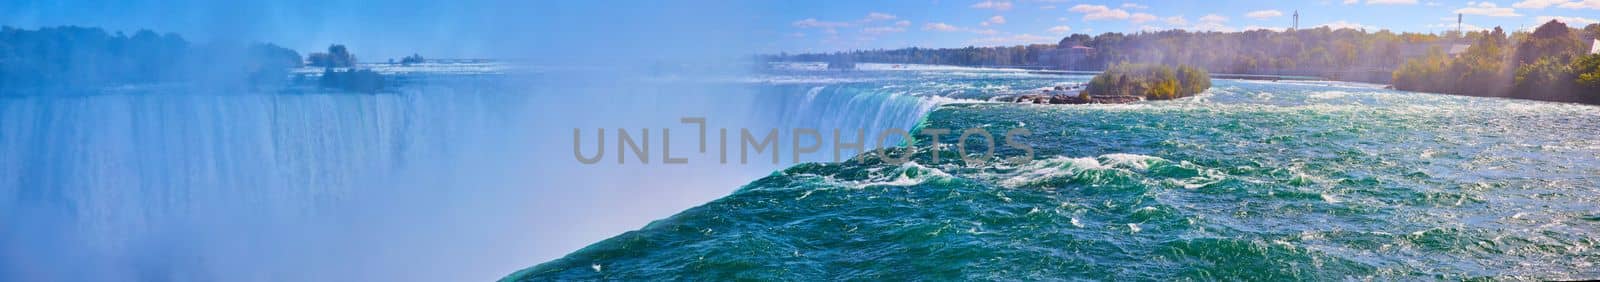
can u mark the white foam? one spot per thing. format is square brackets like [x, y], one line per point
[1328, 94]
[1134, 161]
[1052, 167]
[1059, 166]
[907, 174]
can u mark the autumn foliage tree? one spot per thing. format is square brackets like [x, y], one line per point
[1547, 64]
[1153, 82]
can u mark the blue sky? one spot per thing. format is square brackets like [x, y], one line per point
[492, 28]
[955, 23]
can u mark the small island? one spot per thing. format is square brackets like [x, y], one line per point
[1127, 83]
[341, 71]
[72, 59]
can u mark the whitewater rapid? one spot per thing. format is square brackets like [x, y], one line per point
[1250, 180]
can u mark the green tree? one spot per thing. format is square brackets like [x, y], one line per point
[337, 57]
[1545, 79]
[1551, 39]
[1482, 68]
[1424, 74]
[1587, 72]
[1153, 82]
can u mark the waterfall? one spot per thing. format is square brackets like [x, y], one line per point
[848, 108]
[171, 186]
[444, 180]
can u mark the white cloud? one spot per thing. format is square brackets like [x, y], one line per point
[991, 4]
[1099, 12]
[1264, 14]
[1132, 5]
[1585, 4]
[1342, 24]
[1569, 4]
[1141, 17]
[1015, 39]
[1060, 29]
[876, 16]
[1351, 2]
[1212, 22]
[1047, 7]
[797, 34]
[1176, 20]
[882, 30]
[1433, 4]
[1391, 2]
[1537, 4]
[902, 23]
[995, 20]
[1487, 9]
[939, 27]
[943, 27]
[814, 23]
[1570, 21]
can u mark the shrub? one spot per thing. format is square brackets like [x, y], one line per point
[353, 80]
[1153, 82]
[1587, 69]
[336, 57]
[413, 59]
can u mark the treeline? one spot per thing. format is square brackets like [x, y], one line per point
[340, 71]
[71, 56]
[1151, 81]
[1029, 55]
[1549, 64]
[1345, 54]
[82, 58]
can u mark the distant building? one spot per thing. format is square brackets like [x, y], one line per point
[1458, 49]
[1594, 47]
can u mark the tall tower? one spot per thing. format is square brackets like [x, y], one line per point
[1296, 20]
[1458, 25]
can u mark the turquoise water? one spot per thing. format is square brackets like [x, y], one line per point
[1250, 180]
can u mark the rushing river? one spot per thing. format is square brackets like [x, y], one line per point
[1251, 179]
[466, 172]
